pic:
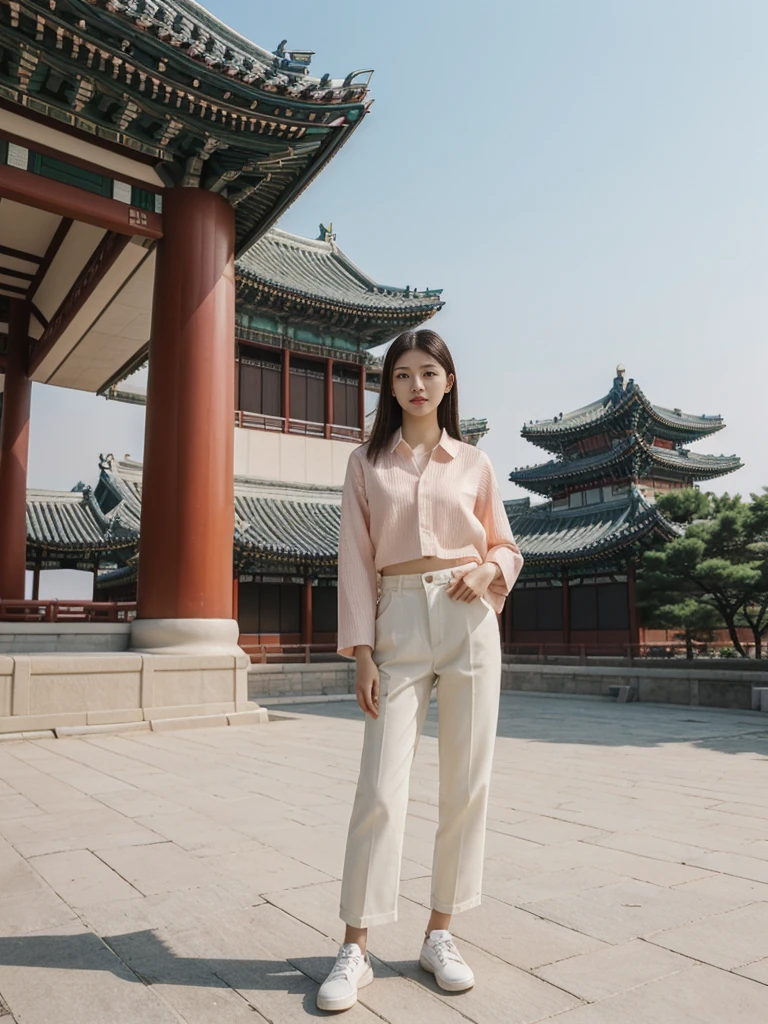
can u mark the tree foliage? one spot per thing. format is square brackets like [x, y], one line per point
[716, 574]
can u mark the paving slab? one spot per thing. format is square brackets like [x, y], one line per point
[729, 940]
[68, 975]
[161, 867]
[80, 878]
[624, 910]
[195, 832]
[30, 911]
[701, 995]
[611, 969]
[727, 890]
[264, 869]
[734, 864]
[758, 971]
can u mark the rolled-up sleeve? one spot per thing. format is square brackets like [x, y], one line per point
[357, 589]
[502, 548]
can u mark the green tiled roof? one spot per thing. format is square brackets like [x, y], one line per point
[624, 407]
[570, 536]
[271, 525]
[628, 458]
[315, 280]
[71, 524]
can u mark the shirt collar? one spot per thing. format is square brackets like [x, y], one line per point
[448, 443]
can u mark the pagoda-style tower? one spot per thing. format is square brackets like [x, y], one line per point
[613, 458]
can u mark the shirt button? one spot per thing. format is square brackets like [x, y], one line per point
[428, 579]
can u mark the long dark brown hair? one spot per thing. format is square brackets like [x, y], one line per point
[389, 415]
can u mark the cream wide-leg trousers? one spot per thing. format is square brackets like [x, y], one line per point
[425, 638]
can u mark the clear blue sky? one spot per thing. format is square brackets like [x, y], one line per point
[586, 180]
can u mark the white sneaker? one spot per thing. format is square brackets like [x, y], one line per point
[440, 956]
[351, 971]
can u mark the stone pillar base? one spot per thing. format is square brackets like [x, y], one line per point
[186, 636]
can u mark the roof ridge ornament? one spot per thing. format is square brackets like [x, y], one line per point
[619, 385]
[327, 234]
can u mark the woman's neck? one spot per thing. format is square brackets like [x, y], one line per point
[421, 431]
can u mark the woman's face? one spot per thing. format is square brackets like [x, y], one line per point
[419, 382]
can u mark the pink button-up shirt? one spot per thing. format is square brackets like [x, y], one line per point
[391, 512]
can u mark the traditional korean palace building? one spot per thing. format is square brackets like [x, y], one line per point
[306, 317]
[143, 148]
[611, 460]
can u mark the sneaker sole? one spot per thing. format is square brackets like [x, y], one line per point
[348, 1001]
[455, 986]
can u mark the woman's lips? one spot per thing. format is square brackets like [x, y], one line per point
[418, 401]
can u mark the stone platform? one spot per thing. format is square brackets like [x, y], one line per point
[62, 691]
[194, 876]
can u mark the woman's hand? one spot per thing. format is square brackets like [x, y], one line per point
[474, 582]
[367, 681]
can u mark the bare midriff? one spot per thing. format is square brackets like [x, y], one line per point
[425, 564]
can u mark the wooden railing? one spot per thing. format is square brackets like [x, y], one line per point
[309, 428]
[554, 652]
[67, 611]
[258, 421]
[266, 654]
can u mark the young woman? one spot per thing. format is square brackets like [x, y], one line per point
[426, 559]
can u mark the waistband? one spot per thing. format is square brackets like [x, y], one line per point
[411, 580]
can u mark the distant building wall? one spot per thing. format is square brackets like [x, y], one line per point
[291, 458]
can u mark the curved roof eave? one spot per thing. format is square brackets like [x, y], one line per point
[698, 467]
[597, 534]
[318, 271]
[603, 410]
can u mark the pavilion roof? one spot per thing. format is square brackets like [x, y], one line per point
[73, 523]
[321, 282]
[573, 536]
[628, 458]
[624, 406]
[170, 82]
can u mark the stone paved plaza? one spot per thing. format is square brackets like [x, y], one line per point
[194, 875]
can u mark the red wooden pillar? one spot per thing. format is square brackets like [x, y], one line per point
[36, 580]
[361, 403]
[95, 579]
[187, 513]
[634, 631]
[566, 608]
[14, 454]
[328, 395]
[286, 390]
[307, 629]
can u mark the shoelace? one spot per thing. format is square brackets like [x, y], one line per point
[446, 949]
[345, 960]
